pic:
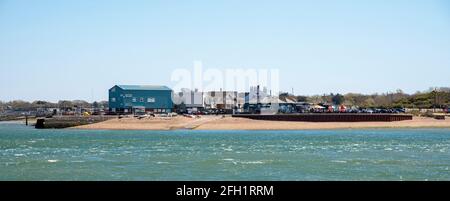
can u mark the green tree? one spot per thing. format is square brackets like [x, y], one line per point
[337, 99]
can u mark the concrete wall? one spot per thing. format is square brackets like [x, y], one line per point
[328, 117]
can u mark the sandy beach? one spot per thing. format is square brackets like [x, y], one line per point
[233, 123]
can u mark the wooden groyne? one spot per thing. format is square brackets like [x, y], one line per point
[69, 121]
[329, 117]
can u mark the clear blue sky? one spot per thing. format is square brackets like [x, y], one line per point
[77, 49]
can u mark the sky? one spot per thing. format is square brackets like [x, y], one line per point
[78, 49]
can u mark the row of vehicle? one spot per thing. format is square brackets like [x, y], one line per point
[380, 110]
[365, 110]
[207, 112]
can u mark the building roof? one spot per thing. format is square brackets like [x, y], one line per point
[144, 87]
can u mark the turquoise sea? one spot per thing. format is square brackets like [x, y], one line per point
[373, 154]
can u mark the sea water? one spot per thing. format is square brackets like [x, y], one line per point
[358, 154]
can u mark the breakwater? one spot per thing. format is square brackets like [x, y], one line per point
[329, 117]
[69, 121]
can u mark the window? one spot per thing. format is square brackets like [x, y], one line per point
[150, 100]
[128, 95]
[141, 100]
[113, 99]
[113, 89]
[134, 100]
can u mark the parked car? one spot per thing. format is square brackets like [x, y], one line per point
[353, 111]
[137, 114]
[367, 111]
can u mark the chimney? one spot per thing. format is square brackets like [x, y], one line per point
[257, 94]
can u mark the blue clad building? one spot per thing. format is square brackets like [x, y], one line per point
[140, 98]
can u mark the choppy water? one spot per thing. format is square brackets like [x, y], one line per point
[30, 154]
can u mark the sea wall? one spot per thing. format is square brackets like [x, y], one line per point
[69, 121]
[329, 117]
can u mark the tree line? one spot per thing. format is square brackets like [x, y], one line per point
[431, 98]
[20, 105]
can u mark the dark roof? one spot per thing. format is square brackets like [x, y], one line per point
[144, 87]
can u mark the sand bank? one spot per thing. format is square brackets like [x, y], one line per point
[233, 123]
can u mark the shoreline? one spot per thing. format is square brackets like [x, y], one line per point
[306, 129]
[236, 123]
